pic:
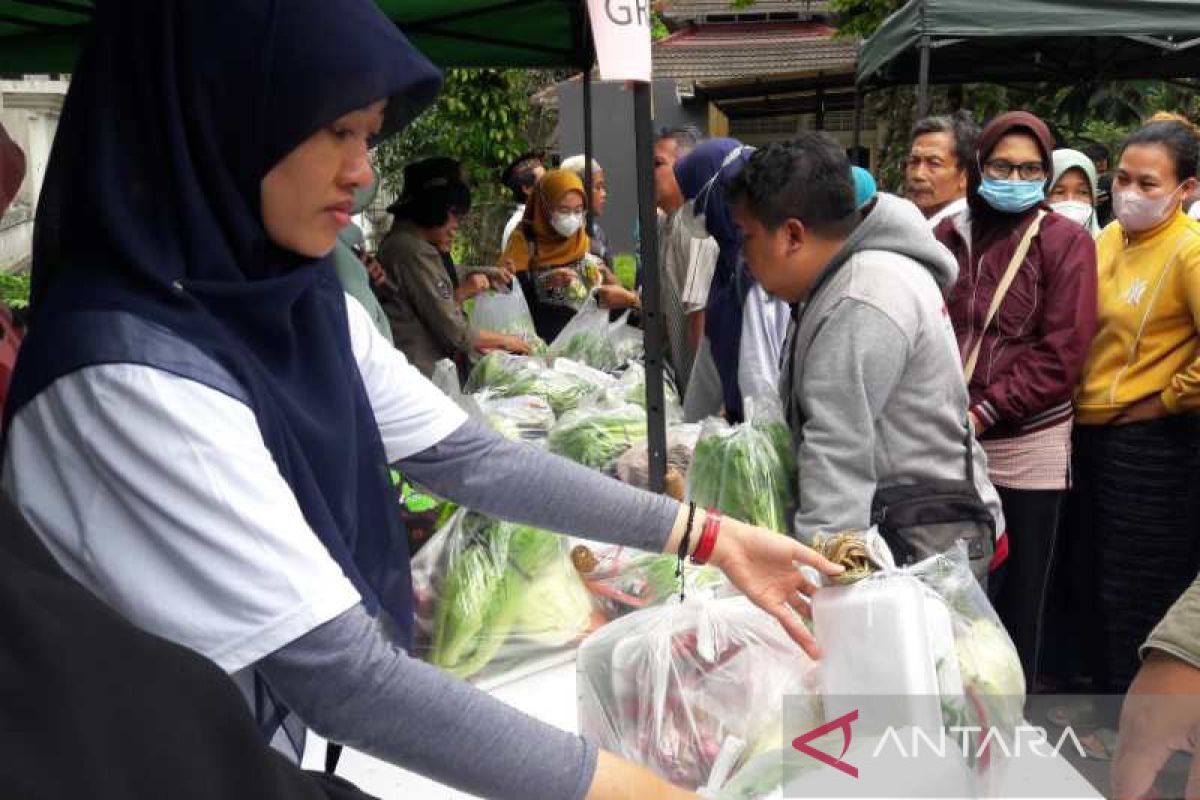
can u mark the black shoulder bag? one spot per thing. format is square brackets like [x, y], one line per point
[922, 519]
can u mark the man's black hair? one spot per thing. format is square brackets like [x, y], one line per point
[433, 188]
[962, 129]
[1097, 152]
[518, 177]
[686, 137]
[806, 179]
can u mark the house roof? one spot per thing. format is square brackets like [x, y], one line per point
[699, 10]
[729, 52]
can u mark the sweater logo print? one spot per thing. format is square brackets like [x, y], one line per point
[1136, 290]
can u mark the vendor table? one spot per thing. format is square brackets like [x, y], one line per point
[546, 690]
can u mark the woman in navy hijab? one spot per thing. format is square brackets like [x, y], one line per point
[200, 423]
[744, 328]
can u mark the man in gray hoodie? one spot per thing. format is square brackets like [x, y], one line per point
[871, 379]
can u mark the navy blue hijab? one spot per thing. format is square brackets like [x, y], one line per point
[703, 176]
[151, 211]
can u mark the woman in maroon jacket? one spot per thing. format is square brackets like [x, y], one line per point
[1023, 356]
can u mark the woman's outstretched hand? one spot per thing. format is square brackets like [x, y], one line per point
[765, 566]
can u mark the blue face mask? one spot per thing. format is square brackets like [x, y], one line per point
[1012, 197]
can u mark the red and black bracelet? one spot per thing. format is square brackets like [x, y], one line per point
[708, 537]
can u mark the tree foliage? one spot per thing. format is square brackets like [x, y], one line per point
[483, 118]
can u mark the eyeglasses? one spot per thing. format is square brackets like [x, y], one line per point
[1029, 171]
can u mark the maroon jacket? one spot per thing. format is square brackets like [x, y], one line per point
[1034, 349]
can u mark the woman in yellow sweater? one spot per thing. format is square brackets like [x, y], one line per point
[1136, 434]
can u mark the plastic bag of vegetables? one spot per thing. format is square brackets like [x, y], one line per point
[748, 471]
[628, 341]
[624, 579]
[506, 312]
[523, 418]
[633, 467]
[493, 594]
[513, 376]
[925, 633]
[586, 338]
[632, 387]
[507, 374]
[596, 435]
[689, 690]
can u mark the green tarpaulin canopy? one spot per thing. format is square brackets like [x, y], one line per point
[42, 35]
[1067, 41]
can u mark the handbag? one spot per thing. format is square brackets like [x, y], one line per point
[923, 519]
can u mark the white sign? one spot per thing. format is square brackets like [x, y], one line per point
[621, 30]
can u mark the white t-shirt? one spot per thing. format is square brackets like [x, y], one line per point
[765, 322]
[159, 494]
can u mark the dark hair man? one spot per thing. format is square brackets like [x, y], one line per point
[1098, 153]
[687, 263]
[871, 383]
[520, 177]
[939, 164]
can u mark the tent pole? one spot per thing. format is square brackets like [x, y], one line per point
[857, 141]
[587, 148]
[923, 79]
[652, 320]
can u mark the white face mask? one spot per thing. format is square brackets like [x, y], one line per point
[1140, 213]
[567, 225]
[1077, 211]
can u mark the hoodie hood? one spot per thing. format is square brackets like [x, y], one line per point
[893, 224]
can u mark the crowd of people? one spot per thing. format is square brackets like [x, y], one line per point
[217, 374]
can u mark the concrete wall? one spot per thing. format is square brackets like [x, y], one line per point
[612, 137]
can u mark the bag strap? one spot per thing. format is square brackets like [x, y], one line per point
[1010, 275]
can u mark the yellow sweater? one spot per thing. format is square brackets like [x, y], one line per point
[1149, 318]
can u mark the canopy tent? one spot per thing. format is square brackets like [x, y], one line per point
[1069, 41]
[43, 35]
[40, 36]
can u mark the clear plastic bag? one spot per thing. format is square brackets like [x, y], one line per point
[632, 386]
[492, 595]
[925, 633]
[507, 374]
[624, 579]
[513, 376]
[505, 312]
[445, 378]
[690, 690]
[586, 338]
[867, 651]
[633, 467]
[628, 342]
[596, 435]
[748, 471]
[524, 418]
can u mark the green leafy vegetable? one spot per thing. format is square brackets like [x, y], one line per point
[747, 471]
[591, 348]
[503, 581]
[596, 437]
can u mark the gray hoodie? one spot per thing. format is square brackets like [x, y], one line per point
[874, 387]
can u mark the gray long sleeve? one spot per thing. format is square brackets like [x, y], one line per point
[348, 682]
[477, 468]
